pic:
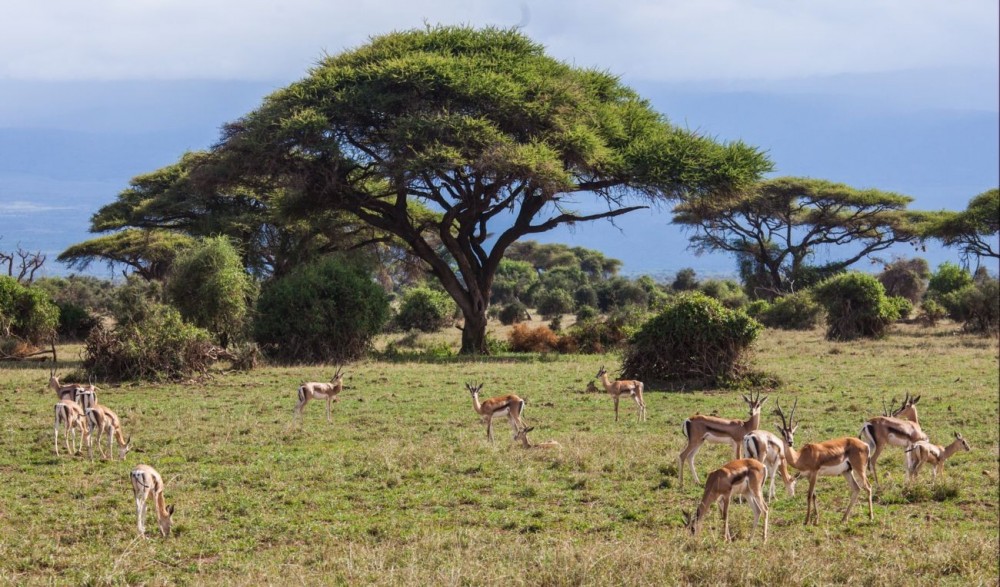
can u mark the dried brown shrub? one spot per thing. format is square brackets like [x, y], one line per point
[525, 339]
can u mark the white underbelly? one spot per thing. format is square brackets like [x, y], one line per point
[835, 469]
[502, 412]
[321, 395]
[709, 437]
[897, 440]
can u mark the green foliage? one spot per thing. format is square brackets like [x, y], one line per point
[75, 322]
[619, 293]
[326, 311]
[585, 295]
[756, 308]
[513, 280]
[973, 231]
[727, 291]
[425, 309]
[554, 302]
[906, 277]
[797, 311]
[856, 306]
[584, 313]
[694, 339]
[210, 287]
[982, 307]
[932, 312]
[26, 313]
[158, 346]
[132, 301]
[601, 335]
[148, 252]
[84, 291]
[949, 277]
[513, 313]
[685, 280]
[901, 306]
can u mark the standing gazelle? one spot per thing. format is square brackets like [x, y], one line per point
[769, 450]
[882, 431]
[739, 477]
[328, 391]
[69, 415]
[935, 454]
[841, 456]
[64, 391]
[618, 388]
[506, 405]
[147, 482]
[700, 429]
[104, 420]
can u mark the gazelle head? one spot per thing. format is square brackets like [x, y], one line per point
[165, 521]
[754, 403]
[53, 380]
[522, 434]
[338, 377]
[473, 388]
[907, 409]
[601, 372]
[965, 444]
[692, 522]
[123, 450]
[787, 427]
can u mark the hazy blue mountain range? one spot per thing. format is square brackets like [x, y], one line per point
[67, 148]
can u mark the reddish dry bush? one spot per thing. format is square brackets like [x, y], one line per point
[525, 339]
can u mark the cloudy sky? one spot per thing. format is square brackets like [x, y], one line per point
[897, 94]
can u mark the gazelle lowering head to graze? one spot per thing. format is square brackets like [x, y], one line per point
[700, 429]
[769, 450]
[882, 431]
[739, 477]
[69, 415]
[328, 391]
[522, 435]
[925, 452]
[841, 456]
[621, 387]
[147, 482]
[102, 419]
[505, 405]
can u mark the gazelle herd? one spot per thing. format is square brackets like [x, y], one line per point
[766, 454]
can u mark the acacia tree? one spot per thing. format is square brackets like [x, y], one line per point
[147, 252]
[482, 127]
[974, 230]
[775, 228]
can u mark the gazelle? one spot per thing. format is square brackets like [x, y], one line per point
[328, 391]
[505, 405]
[769, 450]
[147, 482]
[67, 391]
[882, 431]
[700, 429]
[925, 452]
[104, 420]
[739, 477]
[907, 410]
[618, 388]
[522, 435]
[86, 397]
[70, 416]
[842, 456]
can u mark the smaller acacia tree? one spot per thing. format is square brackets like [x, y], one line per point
[974, 231]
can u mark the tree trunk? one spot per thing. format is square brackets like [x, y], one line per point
[474, 334]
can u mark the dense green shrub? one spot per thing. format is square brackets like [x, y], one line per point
[554, 302]
[619, 292]
[159, 346]
[513, 313]
[755, 308]
[685, 280]
[513, 280]
[906, 278]
[325, 311]
[902, 306]
[600, 335]
[932, 312]
[797, 311]
[727, 291]
[585, 295]
[425, 309]
[694, 339]
[26, 313]
[856, 306]
[955, 302]
[131, 302]
[584, 313]
[93, 294]
[949, 277]
[75, 322]
[982, 305]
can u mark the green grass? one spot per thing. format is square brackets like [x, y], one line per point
[403, 488]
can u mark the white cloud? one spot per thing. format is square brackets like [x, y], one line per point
[22, 208]
[665, 41]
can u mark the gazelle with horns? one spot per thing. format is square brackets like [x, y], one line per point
[739, 477]
[328, 391]
[102, 419]
[620, 387]
[700, 429]
[67, 391]
[935, 454]
[882, 431]
[146, 483]
[522, 435]
[769, 450]
[842, 456]
[511, 406]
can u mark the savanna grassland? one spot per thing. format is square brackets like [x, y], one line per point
[403, 487]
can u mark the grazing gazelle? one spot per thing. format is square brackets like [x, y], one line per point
[328, 391]
[618, 388]
[739, 477]
[522, 435]
[769, 450]
[935, 454]
[506, 405]
[841, 456]
[147, 482]
[104, 420]
[70, 416]
[700, 429]
[882, 431]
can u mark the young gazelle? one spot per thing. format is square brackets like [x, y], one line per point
[739, 477]
[147, 482]
[104, 420]
[935, 454]
[882, 431]
[769, 450]
[328, 391]
[505, 405]
[618, 388]
[522, 435]
[841, 456]
[700, 429]
[70, 416]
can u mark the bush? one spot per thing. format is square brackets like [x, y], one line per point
[326, 311]
[90, 293]
[525, 339]
[948, 278]
[513, 313]
[757, 307]
[983, 307]
[584, 313]
[425, 309]
[26, 314]
[685, 280]
[797, 311]
[585, 295]
[901, 305]
[695, 338]
[932, 312]
[619, 292]
[160, 346]
[75, 322]
[856, 306]
[906, 278]
[727, 291]
[554, 302]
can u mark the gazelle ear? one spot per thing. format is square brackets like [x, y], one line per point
[763, 401]
[958, 436]
[746, 399]
[915, 400]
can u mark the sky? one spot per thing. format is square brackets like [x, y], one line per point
[900, 95]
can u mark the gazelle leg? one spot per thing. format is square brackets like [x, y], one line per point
[855, 489]
[725, 517]
[616, 408]
[873, 460]
[328, 409]
[810, 497]
[489, 428]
